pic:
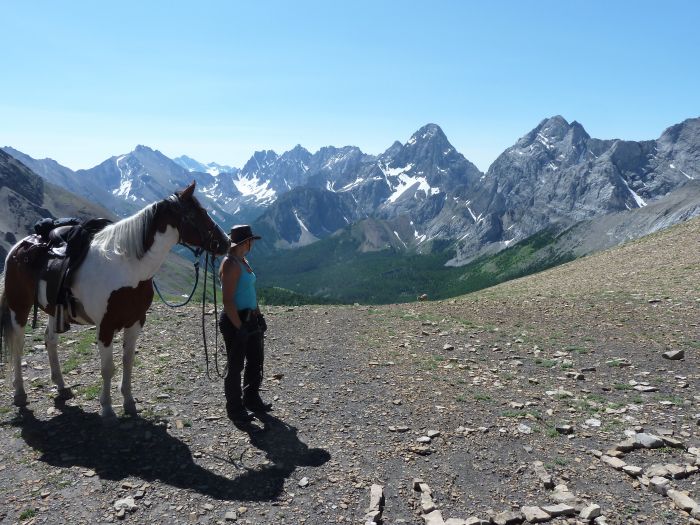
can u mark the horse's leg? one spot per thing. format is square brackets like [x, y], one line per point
[14, 335]
[131, 334]
[51, 342]
[107, 368]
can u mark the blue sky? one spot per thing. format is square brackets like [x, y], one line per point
[82, 81]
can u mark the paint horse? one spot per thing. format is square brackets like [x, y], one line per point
[112, 287]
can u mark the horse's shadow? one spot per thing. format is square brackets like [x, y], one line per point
[141, 448]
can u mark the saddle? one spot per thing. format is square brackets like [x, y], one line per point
[55, 252]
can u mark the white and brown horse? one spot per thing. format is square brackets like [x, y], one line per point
[113, 288]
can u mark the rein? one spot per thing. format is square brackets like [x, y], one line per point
[197, 255]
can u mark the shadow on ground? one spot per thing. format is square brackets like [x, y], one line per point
[144, 449]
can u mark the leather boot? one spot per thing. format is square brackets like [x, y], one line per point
[238, 414]
[254, 403]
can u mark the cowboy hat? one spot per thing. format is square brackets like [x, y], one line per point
[241, 233]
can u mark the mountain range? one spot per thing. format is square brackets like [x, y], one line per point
[421, 196]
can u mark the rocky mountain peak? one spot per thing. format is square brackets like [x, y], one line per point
[144, 149]
[683, 136]
[431, 134]
[259, 161]
[296, 154]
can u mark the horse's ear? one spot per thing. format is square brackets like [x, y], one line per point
[188, 191]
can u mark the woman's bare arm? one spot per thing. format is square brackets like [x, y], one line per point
[230, 273]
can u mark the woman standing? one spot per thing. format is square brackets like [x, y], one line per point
[242, 326]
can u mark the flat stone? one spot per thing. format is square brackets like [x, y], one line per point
[657, 470]
[417, 483]
[674, 355]
[434, 518]
[614, 453]
[427, 505]
[659, 485]
[676, 471]
[535, 514]
[508, 517]
[590, 512]
[127, 503]
[231, 516]
[633, 471]
[559, 510]
[562, 495]
[376, 497]
[681, 500]
[646, 388]
[672, 442]
[476, 521]
[432, 434]
[564, 429]
[626, 445]
[424, 488]
[304, 482]
[524, 429]
[648, 440]
[615, 463]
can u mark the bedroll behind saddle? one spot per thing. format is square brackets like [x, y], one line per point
[60, 246]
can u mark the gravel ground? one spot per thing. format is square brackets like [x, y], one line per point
[467, 394]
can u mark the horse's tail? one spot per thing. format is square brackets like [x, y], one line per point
[5, 324]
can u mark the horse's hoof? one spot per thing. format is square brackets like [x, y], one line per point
[130, 409]
[64, 394]
[20, 400]
[108, 415]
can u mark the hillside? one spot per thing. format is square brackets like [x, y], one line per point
[25, 198]
[505, 399]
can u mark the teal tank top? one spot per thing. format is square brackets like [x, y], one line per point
[245, 297]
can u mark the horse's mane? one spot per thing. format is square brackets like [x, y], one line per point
[127, 237]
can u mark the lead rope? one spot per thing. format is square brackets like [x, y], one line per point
[211, 262]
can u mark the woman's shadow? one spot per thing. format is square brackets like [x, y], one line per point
[141, 448]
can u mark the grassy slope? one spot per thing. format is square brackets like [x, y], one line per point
[333, 269]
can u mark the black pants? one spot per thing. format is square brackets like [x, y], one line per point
[244, 354]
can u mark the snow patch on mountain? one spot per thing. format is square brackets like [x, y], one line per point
[125, 181]
[640, 202]
[254, 187]
[407, 182]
